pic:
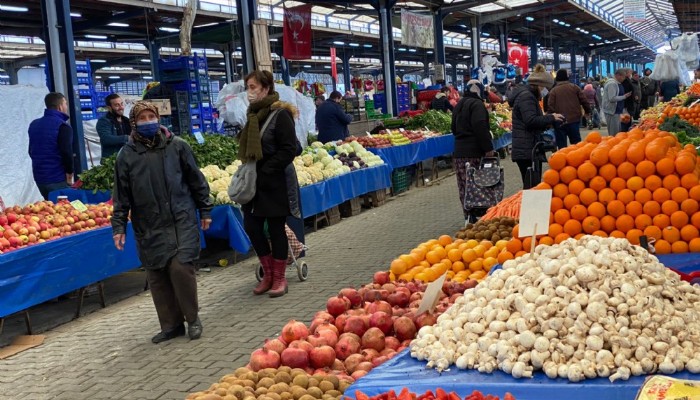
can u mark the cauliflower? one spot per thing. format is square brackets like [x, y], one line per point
[222, 198]
[321, 153]
[307, 159]
[325, 160]
[317, 145]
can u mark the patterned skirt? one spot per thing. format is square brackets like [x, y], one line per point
[474, 198]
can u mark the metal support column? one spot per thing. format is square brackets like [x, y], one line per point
[228, 61]
[247, 11]
[439, 39]
[503, 44]
[285, 71]
[556, 56]
[13, 73]
[534, 48]
[454, 74]
[585, 66]
[476, 41]
[574, 67]
[346, 72]
[58, 36]
[154, 55]
[388, 59]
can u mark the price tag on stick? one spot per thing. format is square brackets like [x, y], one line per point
[78, 205]
[432, 295]
[534, 214]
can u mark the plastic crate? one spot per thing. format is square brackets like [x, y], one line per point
[177, 75]
[401, 180]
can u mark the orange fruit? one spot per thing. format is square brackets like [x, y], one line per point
[600, 233]
[579, 212]
[618, 154]
[514, 245]
[695, 219]
[689, 206]
[679, 194]
[586, 171]
[694, 193]
[616, 208]
[652, 231]
[576, 187]
[597, 183]
[575, 158]
[567, 174]
[550, 177]
[599, 156]
[561, 216]
[606, 195]
[594, 137]
[571, 200]
[634, 208]
[444, 240]
[516, 231]
[626, 170]
[665, 166]
[561, 237]
[643, 195]
[645, 169]
[689, 181]
[689, 232]
[607, 172]
[651, 208]
[557, 161]
[618, 234]
[662, 221]
[590, 224]
[679, 247]
[556, 204]
[633, 236]
[454, 255]
[555, 229]
[560, 190]
[662, 247]
[685, 165]
[546, 240]
[502, 257]
[596, 209]
[661, 194]
[469, 255]
[542, 186]
[607, 223]
[679, 219]
[671, 181]
[641, 221]
[618, 184]
[668, 207]
[588, 196]
[694, 245]
[624, 223]
[625, 196]
[398, 267]
[527, 244]
[652, 182]
[635, 183]
[572, 227]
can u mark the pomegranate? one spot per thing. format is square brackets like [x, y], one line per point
[329, 336]
[358, 374]
[337, 305]
[294, 331]
[373, 339]
[410, 314]
[379, 361]
[382, 321]
[351, 335]
[275, 345]
[391, 342]
[379, 305]
[387, 352]
[416, 296]
[353, 296]
[357, 311]
[404, 289]
[470, 284]
[295, 358]
[356, 325]
[317, 340]
[322, 357]
[353, 361]
[327, 326]
[324, 315]
[398, 299]
[338, 365]
[404, 328]
[346, 347]
[321, 371]
[263, 358]
[301, 344]
[425, 319]
[406, 343]
[398, 311]
[369, 354]
[340, 321]
[455, 296]
[371, 295]
[381, 277]
[364, 366]
[389, 287]
[383, 294]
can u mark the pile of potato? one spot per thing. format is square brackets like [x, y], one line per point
[281, 383]
[499, 228]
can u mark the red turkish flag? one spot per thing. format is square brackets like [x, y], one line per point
[334, 68]
[518, 56]
[296, 33]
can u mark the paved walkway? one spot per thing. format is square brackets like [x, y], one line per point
[108, 355]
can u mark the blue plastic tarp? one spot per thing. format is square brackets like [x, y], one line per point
[329, 193]
[504, 141]
[227, 223]
[86, 196]
[35, 274]
[404, 371]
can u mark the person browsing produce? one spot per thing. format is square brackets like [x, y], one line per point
[331, 120]
[614, 97]
[567, 99]
[158, 183]
[114, 128]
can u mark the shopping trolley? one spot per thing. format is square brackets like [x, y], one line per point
[296, 250]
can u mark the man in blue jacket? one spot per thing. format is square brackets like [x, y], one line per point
[114, 128]
[331, 120]
[51, 146]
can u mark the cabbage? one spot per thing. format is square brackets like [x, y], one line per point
[325, 160]
[321, 153]
[317, 145]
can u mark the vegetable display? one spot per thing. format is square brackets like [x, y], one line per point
[439, 394]
[219, 150]
[434, 120]
[596, 307]
[317, 164]
[100, 177]
[219, 181]
[508, 207]
[495, 229]
[686, 132]
[498, 124]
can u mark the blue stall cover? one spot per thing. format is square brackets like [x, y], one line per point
[329, 193]
[33, 275]
[86, 196]
[226, 223]
[404, 371]
[504, 141]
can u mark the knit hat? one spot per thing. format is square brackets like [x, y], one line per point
[138, 108]
[562, 76]
[474, 86]
[540, 77]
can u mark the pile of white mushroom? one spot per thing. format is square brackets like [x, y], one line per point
[596, 307]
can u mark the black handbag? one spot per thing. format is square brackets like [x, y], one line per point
[489, 172]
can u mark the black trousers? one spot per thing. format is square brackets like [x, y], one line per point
[174, 291]
[277, 244]
[530, 179]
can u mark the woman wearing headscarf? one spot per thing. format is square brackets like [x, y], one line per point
[592, 97]
[157, 180]
[473, 141]
[529, 122]
[269, 139]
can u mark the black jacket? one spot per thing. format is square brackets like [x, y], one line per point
[163, 188]
[113, 134]
[277, 189]
[629, 88]
[528, 122]
[332, 122]
[470, 126]
[441, 104]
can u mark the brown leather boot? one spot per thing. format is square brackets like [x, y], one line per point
[268, 275]
[279, 283]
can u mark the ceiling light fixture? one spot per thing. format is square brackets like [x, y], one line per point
[114, 77]
[273, 39]
[367, 46]
[148, 77]
[168, 29]
[118, 24]
[529, 19]
[205, 25]
[98, 61]
[307, 66]
[339, 43]
[76, 15]
[13, 8]
[354, 44]
[96, 36]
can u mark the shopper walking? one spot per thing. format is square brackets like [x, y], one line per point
[614, 97]
[51, 146]
[636, 95]
[669, 90]
[114, 128]
[441, 102]
[331, 120]
[567, 99]
[649, 88]
[269, 139]
[158, 183]
[529, 122]
[591, 96]
[470, 125]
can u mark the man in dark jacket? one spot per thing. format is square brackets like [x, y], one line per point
[636, 94]
[51, 146]
[114, 128]
[331, 121]
[157, 180]
[649, 89]
[441, 102]
[629, 102]
[567, 99]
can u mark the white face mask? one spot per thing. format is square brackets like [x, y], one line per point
[252, 97]
[544, 92]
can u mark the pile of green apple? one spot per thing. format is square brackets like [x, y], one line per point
[43, 221]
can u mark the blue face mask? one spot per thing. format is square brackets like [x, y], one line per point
[148, 129]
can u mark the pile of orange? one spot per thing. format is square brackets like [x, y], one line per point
[636, 183]
[690, 114]
[460, 259]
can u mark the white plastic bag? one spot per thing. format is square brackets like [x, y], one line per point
[686, 46]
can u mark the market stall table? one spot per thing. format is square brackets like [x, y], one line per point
[86, 196]
[227, 223]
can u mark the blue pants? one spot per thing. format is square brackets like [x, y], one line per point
[570, 131]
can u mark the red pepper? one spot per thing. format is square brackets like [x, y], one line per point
[441, 394]
[361, 396]
[508, 396]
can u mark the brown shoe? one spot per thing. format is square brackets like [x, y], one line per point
[279, 282]
[268, 274]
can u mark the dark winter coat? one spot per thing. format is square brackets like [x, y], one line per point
[470, 126]
[51, 147]
[441, 103]
[113, 134]
[332, 122]
[629, 88]
[528, 122]
[163, 188]
[277, 189]
[567, 99]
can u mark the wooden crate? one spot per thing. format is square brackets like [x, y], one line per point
[374, 199]
[351, 207]
[333, 215]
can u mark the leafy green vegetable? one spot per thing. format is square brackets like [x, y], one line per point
[678, 124]
[434, 120]
[495, 125]
[218, 150]
[100, 177]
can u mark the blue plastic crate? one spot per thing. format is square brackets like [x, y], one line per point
[82, 66]
[84, 92]
[177, 75]
[187, 86]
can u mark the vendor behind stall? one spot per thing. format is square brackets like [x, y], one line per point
[441, 102]
[331, 121]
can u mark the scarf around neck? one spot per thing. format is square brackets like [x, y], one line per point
[250, 147]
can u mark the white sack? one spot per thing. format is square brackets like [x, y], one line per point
[21, 105]
[93, 150]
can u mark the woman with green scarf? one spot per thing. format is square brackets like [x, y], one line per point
[276, 191]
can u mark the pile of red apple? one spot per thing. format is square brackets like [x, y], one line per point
[370, 141]
[414, 136]
[359, 330]
[43, 221]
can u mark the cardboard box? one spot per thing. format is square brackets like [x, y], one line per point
[163, 105]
